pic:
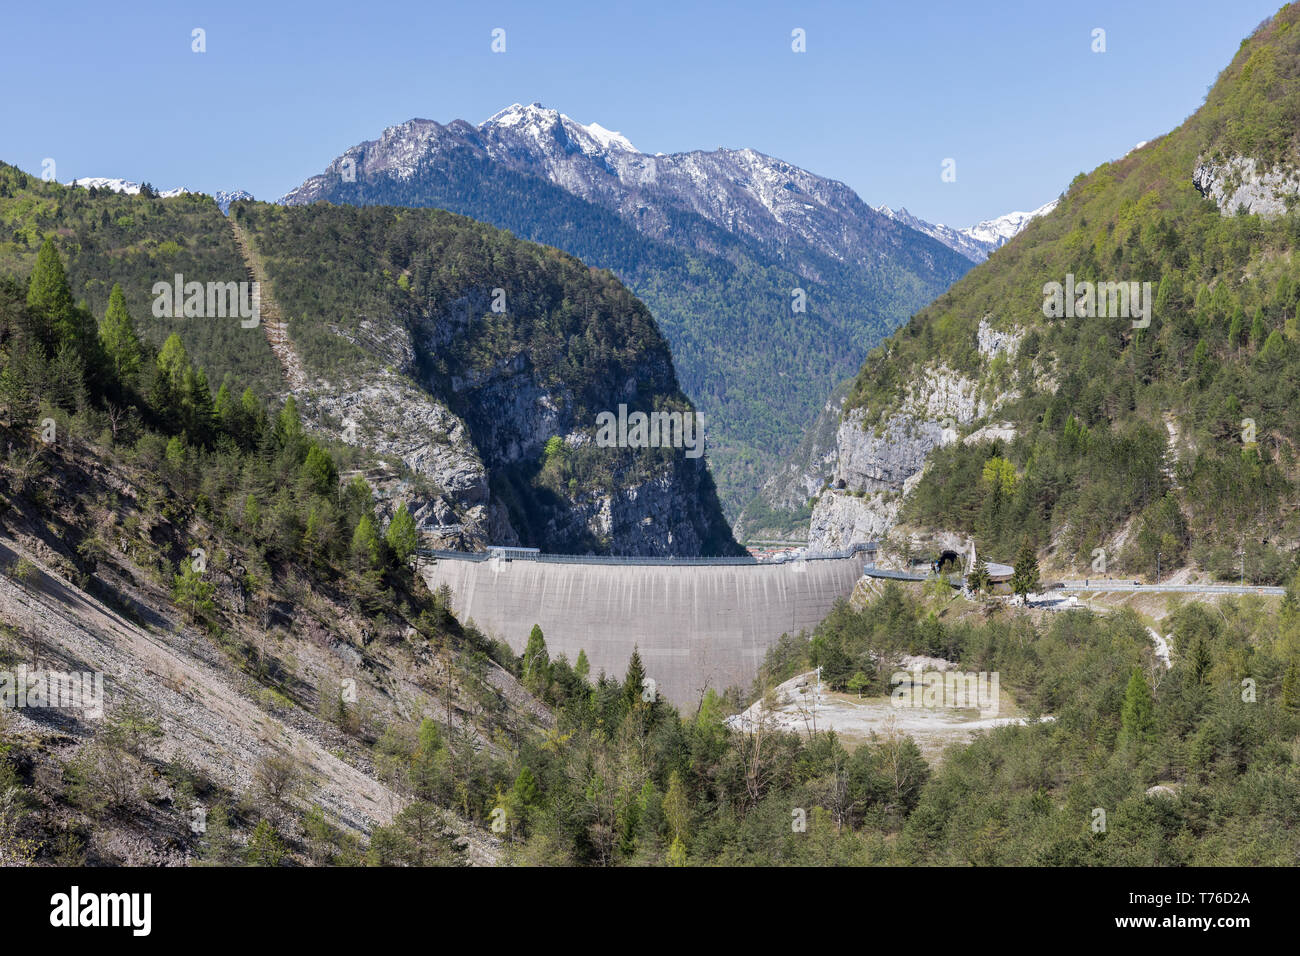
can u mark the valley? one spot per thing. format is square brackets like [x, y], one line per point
[505, 495]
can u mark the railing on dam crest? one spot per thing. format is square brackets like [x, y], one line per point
[665, 560]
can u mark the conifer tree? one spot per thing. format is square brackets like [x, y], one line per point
[1258, 331]
[288, 426]
[1137, 716]
[365, 544]
[198, 403]
[634, 682]
[1291, 685]
[318, 470]
[537, 663]
[119, 340]
[1199, 663]
[1024, 577]
[401, 535]
[50, 300]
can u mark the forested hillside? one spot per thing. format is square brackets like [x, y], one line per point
[482, 409]
[524, 343]
[110, 238]
[1176, 440]
[241, 600]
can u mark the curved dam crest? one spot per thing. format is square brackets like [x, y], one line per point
[696, 625]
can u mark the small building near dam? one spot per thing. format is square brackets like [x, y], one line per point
[698, 623]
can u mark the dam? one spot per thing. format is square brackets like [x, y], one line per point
[698, 623]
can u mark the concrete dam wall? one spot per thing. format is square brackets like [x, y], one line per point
[696, 625]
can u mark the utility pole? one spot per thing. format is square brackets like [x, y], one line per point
[1157, 567]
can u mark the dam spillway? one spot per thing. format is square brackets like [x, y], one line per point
[697, 625]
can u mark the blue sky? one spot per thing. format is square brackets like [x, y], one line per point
[885, 92]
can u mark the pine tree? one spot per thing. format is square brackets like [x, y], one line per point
[634, 682]
[1199, 663]
[1258, 331]
[1291, 685]
[119, 340]
[253, 417]
[198, 401]
[225, 408]
[365, 544]
[523, 796]
[50, 299]
[288, 426]
[979, 580]
[536, 663]
[312, 536]
[582, 667]
[193, 593]
[318, 470]
[1024, 577]
[264, 847]
[401, 535]
[1137, 716]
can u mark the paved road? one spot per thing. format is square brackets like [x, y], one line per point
[1107, 586]
[1102, 586]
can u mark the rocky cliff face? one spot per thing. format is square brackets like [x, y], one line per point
[880, 455]
[1243, 183]
[472, 367]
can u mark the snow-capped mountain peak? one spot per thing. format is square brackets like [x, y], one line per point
[977, 241]
[740, 191]
[538, 121]
[999, 230]
[122, 186]
[608, 138]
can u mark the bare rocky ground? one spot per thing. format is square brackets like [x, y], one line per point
[800, 707]
[222, 706]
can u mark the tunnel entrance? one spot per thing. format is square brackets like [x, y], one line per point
[948, 562]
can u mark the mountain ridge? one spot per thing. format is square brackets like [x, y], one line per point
[769, 282]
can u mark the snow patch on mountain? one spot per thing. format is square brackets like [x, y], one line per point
[223, 197]
[741, 191]
[977, 241]
[539, 123]
[123, 186]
